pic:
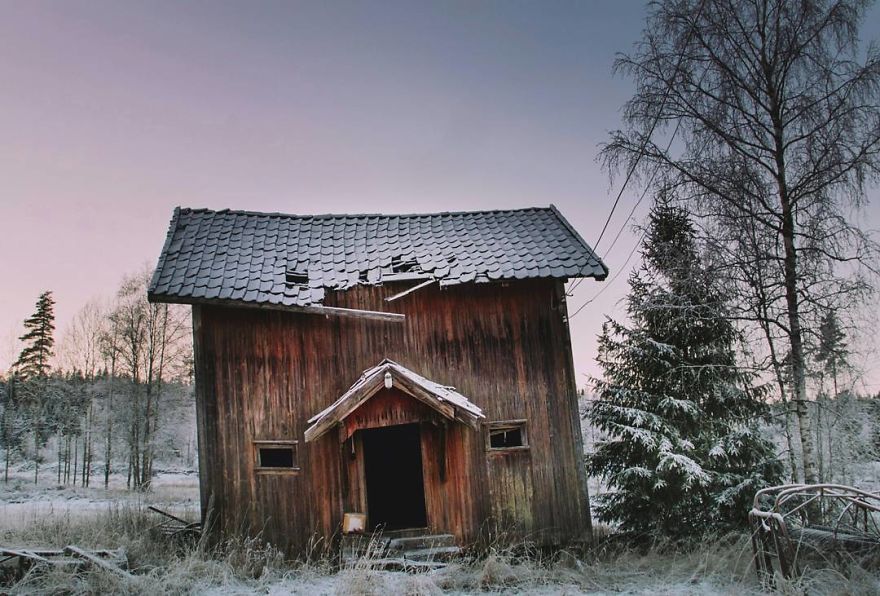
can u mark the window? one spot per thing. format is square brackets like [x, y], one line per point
[275, 457]
[507, 435]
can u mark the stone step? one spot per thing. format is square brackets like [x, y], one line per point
[421, 542]
[437, 553]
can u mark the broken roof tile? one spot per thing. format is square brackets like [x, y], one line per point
[243, 255]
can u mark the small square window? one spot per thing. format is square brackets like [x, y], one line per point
[507, 435]
[277, 457]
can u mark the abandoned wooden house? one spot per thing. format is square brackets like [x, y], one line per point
[412, 369]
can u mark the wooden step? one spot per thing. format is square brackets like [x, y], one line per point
[421, 542]
[409, 565]
[436, 553]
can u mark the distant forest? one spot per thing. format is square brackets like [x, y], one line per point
[114, 395]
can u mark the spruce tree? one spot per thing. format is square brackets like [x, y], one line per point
[39, 340]
[32, 367]
[831, 353]
[682, 452]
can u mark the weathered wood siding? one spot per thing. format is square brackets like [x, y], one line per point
[261, 374]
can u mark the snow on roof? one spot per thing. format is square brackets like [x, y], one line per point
[292, 260]
[372, 380]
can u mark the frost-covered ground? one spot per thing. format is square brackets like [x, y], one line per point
[22, 502]
[49, 515]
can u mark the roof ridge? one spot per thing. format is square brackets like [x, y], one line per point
[352, 215]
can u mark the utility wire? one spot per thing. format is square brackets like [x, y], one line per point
[635, 206]
[610, 281]
[633, 167]
[656, 121]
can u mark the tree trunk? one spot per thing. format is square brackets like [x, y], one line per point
[830, 435]
[6, 439]
[108, 449]
[146, 441]
[798, 366]
[788, 423]
[66, 460]
[60, 457]
[36, 451]
[819, 452]
[10, 399]
[87, 447]
[75, 457]
[790, 274]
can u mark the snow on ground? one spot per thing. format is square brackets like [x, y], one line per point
[22, 502]
[719, 568]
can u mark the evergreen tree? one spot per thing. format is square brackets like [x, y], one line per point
[682, 453]
[33, 365]
[39, 340]
[832, 352]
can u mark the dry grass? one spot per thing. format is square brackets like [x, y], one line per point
[722, 566]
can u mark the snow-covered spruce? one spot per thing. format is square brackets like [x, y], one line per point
[683, 454]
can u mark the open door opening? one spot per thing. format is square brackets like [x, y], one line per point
[395, 484]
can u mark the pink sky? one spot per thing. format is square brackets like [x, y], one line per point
[113, 113]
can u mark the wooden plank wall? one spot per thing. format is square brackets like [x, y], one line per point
[262, 374]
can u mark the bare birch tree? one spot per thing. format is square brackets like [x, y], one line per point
[780, 127]
[153, 341]
[81, 351]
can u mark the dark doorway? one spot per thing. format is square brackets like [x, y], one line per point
[395, 486]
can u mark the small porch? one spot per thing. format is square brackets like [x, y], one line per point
[399, 434]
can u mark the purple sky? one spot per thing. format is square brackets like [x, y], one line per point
[113, 113]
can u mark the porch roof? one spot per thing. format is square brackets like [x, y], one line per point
[445, 400]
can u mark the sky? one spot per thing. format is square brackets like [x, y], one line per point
[113, 113]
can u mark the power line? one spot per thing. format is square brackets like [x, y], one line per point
[647, 186]
[614, 277]
[647, 138]
[632, 170]
[636, 206]
[610, 281]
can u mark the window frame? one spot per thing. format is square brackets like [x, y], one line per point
[293, 445]
[496, 425]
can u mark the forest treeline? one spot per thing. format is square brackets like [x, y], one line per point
[114, 394]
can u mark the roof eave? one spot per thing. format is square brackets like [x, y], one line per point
[579, 238]
[376, 315]
[160, 265]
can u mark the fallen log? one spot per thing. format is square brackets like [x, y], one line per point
[97, 561]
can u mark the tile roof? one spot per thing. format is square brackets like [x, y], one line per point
[292, 260]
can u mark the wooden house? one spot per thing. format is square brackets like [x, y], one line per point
[415, 369]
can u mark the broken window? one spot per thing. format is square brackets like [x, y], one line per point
[510, 434]
[275, 456]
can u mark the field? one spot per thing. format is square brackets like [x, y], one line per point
[47, 515]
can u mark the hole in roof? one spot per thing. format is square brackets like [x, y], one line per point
[300, 278]
[399, 265]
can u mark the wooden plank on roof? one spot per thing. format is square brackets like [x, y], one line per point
[356, 313]
[410, 290]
